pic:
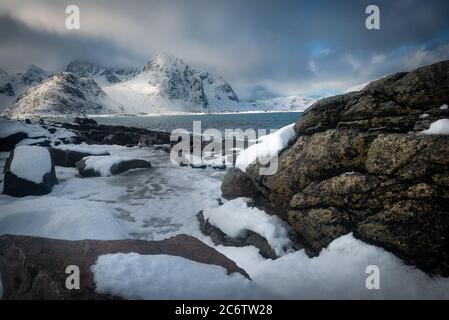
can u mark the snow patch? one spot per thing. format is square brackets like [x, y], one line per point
[440, 127]
[267, 146]
[339, 272]
[235, 217]
[31, 163]
[135, 276]
[359, 87]
[444, 107]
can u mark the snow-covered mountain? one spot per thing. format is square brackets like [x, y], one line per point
[12, 85]
[168, 84]
[290, 103]
[102, 75]
[63, 93]
[165, 84]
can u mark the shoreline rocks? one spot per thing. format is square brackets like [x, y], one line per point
[34, 268]
[359, 164]
[93, 133]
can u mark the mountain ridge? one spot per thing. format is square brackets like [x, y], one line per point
[165, 84]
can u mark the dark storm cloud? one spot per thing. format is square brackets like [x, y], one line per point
[263, 48]
[22, 46]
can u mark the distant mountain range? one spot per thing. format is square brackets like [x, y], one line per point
[164, 85]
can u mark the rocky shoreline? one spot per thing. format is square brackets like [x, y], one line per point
[358, 163]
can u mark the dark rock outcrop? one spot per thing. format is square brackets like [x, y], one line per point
[34, 268]
[237, 184]
[69, 158]
[84, 121]
[93, 133]
[115, 169]
[19, 187]
[359, 164]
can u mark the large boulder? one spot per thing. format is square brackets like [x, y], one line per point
[69, 158]
[360, 164]
[29, 170]
[103, 166]
[34, 268]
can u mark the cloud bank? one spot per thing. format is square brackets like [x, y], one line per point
[263, 48]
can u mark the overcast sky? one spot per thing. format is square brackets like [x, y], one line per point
[262, 48]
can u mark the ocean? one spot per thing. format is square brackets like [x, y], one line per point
[168, 123]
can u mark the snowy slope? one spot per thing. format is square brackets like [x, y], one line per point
[102, 75]
[63, 93]
[168, 84]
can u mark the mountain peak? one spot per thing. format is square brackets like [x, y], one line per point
[34, 75]
[163, 60]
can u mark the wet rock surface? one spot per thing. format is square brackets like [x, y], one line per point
[34, 268]
[359, 164]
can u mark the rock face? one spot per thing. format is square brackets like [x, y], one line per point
[237, 184]
[20, 187]
[34, 268]
[359, 164]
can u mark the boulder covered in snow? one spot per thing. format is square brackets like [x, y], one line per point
[247, 238]
[29, 170]
[373, 162]
[103, 166]
[35, 268]
[69, 158]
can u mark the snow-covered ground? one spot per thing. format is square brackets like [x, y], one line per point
[163, 201]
